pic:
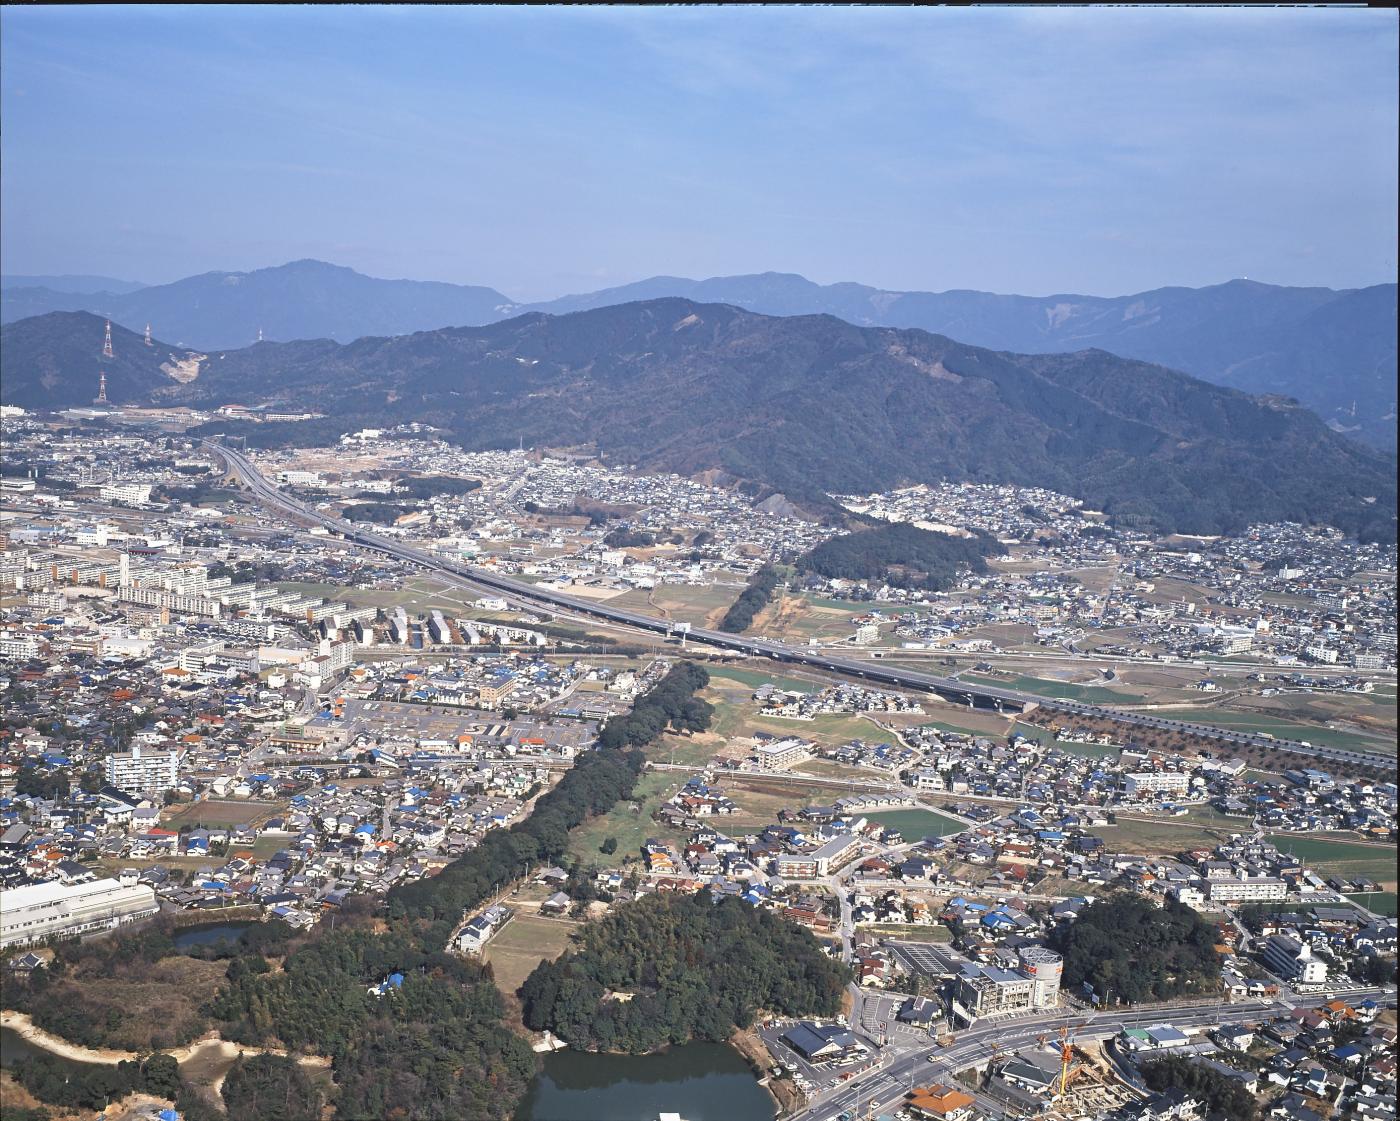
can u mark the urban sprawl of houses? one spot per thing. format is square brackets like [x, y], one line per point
[171, 658]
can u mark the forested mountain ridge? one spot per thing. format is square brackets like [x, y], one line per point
[1333, 350]
[810, 405]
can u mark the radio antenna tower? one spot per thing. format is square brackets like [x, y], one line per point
[148, 335]
[107, 341]
[260, 338]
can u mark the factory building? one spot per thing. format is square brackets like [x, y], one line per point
[38, 911]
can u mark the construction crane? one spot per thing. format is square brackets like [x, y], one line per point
[992, 1060]
[1066, 1059]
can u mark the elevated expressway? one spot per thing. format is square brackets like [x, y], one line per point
[949, 689]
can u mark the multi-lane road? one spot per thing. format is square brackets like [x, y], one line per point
[989, 696]
[923, 1065]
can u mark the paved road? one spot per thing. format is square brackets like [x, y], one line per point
[874, 671]
[891, 1081]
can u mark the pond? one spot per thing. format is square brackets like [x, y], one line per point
[700, 1081]
[14, 1047]
[213, 935]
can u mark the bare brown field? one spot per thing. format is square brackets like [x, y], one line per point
[211, 814]
[527, 940]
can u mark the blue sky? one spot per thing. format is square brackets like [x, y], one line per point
[546, 150]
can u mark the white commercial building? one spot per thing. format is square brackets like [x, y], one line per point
[126, 494]
[1251, 889]
[139, 772]
[1046, 968]
[1141, 782]
[1293, 960]
[37, 911]
[782, 753]
[835, 852]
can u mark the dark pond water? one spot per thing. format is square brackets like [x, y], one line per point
[14, 1047]
[208, 935]
[700, 1081]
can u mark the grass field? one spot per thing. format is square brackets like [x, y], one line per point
[1283, 729]
[1342, 858]
[1090, 694]
[738, 716]
[843, 605]
[630, 827]
[754, 678]
[526, 940]
[971, 722]
[1379, 902]
[421, 595]
[828, 768]
[701, 606]
[1167, 835]
[693, 751]
[914, 824]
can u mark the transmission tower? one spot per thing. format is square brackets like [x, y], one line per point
[107, 341]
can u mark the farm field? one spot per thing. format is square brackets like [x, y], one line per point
[1340, 857]
[214, 814]
[908, 933]
[914, 824]
[523, 943]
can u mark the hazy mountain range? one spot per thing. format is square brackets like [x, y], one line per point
[1335, 351]
[73, 282]
[301, 300]
[802, 405]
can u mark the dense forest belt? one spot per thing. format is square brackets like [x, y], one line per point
[753, 599]
[599, 780]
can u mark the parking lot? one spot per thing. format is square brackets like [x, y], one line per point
[878, 1021]
[812, 1078]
